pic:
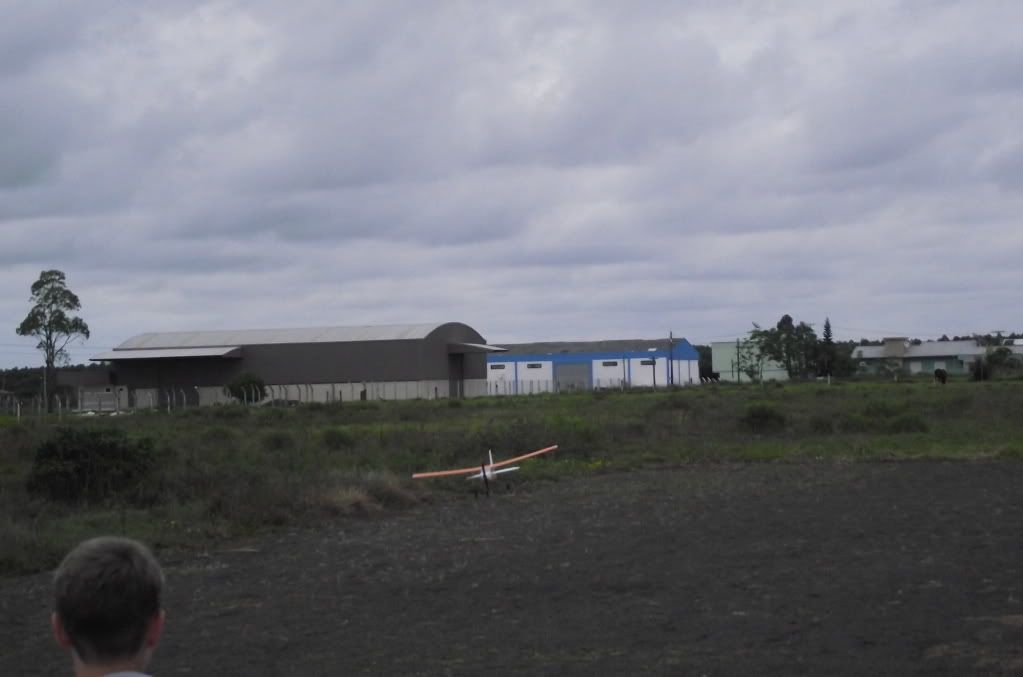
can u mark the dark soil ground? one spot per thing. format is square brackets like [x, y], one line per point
[769, 569]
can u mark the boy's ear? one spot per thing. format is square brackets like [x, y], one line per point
[155, 629]
[58, 631]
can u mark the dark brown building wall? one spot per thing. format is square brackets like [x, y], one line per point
[349, 362]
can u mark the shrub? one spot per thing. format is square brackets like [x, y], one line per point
[278, 440]
[219, 437]
[853, 423]
[907, 423]
[91, 465]
[455, 404]
[244, 385]
[822, 424]
[266, 416]
[338, 438]
[880, 409]
[229, 412]
[762, 418]
[674, 401]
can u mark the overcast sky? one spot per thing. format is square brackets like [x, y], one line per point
[539, 170]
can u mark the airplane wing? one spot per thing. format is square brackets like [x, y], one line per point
[476, 469]
[445, 473]
[524, 456]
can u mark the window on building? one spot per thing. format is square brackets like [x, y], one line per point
[648, 363]
[497, 366]
[534, 365]
[611, 363]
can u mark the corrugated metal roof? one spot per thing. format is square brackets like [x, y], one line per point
[158, 353]
[253, 337]
[945, 348]
[474, 348]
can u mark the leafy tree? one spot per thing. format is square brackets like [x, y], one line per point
[843, 363]
[794, 346]
[749, 357]
[247, 387]
[50, 322]
[1002, 361]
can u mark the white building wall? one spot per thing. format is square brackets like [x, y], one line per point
[535, 379]
[501, 377]
[643, 374]
[686, 372]
[607, 375]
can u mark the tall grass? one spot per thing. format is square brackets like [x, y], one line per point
[224, 472]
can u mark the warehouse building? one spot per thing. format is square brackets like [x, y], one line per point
[308, 365]
[589, 365]
[734, 361]
[901, 354]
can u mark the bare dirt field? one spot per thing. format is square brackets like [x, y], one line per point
[758, 569]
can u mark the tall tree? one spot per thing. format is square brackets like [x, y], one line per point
[827, 350]
[49, 321]
[794, 346]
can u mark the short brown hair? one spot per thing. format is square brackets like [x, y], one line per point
[106, 591]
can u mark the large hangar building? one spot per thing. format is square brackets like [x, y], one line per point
[310, 365]
[526, 368]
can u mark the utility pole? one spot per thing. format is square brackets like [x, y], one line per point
[738, 363]
[671, 359]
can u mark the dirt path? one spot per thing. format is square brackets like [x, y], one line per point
[909, 568]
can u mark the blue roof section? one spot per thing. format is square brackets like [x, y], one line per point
[682, 350]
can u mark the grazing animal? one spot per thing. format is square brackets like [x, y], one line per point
[940, 376]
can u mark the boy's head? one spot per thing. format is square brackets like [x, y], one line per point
[107, 601]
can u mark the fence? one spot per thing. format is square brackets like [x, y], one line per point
[122, 399]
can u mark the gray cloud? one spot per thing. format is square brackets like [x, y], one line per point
[539, 170]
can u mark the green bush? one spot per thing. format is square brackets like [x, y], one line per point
[880, 409]
[338, 438]
[907, 423]
[278, 440]
[853, 423]
[219, 437]
[762, 418]
[822, 424]
[674, 401]
[95, 465]
[230, 412]
[243, 385]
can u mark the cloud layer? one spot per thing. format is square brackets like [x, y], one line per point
[543, 170]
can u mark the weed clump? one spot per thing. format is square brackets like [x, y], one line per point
[822, 425]
[880, 409]
[907, 423]
[94, 465]
[337, 438]
[278, 440]
[853, 423]
[763, 418]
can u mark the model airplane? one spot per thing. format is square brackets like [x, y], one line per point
[486, 471]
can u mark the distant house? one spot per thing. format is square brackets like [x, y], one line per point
[900, 354]
[729, 365]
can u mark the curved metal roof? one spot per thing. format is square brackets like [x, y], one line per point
[251, 337]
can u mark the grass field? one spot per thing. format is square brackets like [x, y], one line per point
[225, 472]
